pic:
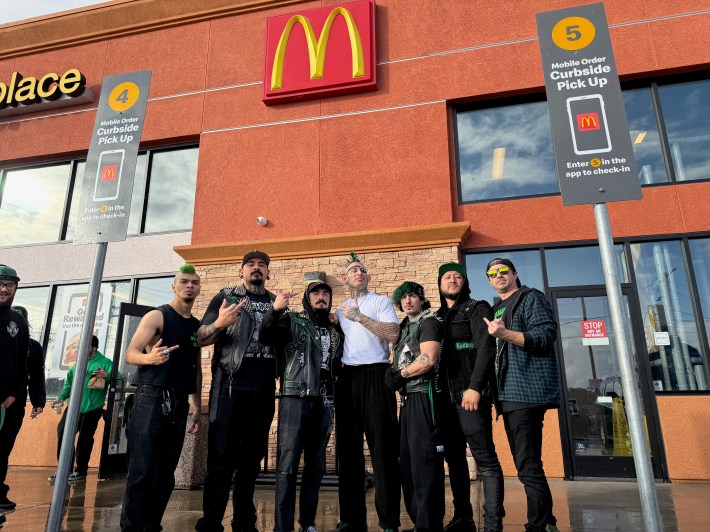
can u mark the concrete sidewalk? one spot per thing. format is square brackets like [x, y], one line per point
[579, 505]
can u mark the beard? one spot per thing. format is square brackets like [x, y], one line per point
[256, 281]
[451, 293]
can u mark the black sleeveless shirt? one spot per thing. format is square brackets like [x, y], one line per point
[179, 373]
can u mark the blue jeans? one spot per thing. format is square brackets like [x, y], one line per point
[303, 428]
[524, 430]
[154, 445]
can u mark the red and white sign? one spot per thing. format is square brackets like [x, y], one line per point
[594, 332]
[320, 52]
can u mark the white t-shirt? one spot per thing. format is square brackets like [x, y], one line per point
[361, 346]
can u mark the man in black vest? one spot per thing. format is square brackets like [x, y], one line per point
[468, 361]
[421, 453]
[241, 396]
[168, 381]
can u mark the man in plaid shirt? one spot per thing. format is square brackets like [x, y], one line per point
[528, 381]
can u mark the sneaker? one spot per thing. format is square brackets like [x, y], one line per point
[309, 529]
[52, 478]
[347, 527]
[76, 477]
[2, 519]
[460, 524]
[6, 504]
[551, 528]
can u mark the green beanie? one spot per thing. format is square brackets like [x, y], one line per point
[452, 267]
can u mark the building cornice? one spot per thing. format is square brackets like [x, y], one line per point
[116, 19]
[403, 239]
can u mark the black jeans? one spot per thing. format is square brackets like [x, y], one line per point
[303, 428]
[455, 456]
[13, 421]
[86, 428]
[237, 440]
[364, 405]
[155, 441]
[524, 430]
[476, 426]
[422, 462]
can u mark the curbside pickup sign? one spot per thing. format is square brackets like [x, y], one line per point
[593, 150]
[107, 186]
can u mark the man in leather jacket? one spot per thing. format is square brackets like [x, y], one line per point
[311, 351]
[413, 373]
[468, 363]
[241, 395]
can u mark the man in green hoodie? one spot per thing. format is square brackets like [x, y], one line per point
[92, 408]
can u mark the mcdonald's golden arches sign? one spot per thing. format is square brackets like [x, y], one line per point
[320, 52]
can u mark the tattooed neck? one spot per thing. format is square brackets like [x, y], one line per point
[255, 289]
[358, 293]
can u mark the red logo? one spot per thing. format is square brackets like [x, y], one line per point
[108, 172]
[320, 52]
[588, 121]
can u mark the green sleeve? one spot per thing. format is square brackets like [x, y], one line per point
[66, 391]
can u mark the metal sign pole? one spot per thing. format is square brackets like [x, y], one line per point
[629, 379]
[66, 454]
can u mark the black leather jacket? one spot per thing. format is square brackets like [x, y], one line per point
[299, 353]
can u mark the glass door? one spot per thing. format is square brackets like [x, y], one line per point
[597, 431]
[114, 446]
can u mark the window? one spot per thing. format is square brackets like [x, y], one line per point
[507, 152]
[35, 300]
[155, 292]
[666, 307]
[700, 256]
[580, 266]
[66, 322]
[36, 203]
[527, 264]
[685, 110]
[32, 204]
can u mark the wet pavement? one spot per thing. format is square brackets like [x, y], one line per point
[579, 505]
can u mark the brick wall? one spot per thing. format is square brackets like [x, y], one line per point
[388, 270]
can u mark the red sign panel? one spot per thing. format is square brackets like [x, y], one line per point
[588, 121]
[321, 52]
[594, 332]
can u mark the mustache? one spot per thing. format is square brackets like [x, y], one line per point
[322, 301]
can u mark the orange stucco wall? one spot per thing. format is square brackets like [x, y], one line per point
[371, 161]
[685, 422]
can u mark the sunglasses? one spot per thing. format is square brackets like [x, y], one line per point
[495, 271]
[9, 286]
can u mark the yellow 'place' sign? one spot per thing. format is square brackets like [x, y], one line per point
[50, 87]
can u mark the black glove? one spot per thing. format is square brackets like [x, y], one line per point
[394, 380]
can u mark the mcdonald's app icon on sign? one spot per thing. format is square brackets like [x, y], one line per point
[320, 52]
[109, 172]
[588, 121]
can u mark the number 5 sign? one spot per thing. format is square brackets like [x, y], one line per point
[107, 186]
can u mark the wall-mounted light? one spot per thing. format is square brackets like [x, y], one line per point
[262, 221]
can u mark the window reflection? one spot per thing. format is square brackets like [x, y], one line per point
[581, 266]
[670, 328]
[65, 329]
[527, 264]
[700, 254]
[155, 292]
[645, 140]
[32, 204]
[171, 198]
[506, 152]
[686, 107]
[35, 300]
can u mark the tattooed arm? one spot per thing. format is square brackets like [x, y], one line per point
[382, 329]
[425, 361]
[218, 317]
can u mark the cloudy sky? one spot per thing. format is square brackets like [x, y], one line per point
[16, 10]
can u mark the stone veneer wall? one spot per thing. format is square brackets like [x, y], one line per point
[388, 270]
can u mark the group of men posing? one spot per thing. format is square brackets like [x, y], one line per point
[449, 367]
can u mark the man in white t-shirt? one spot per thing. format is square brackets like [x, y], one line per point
[364, 405]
